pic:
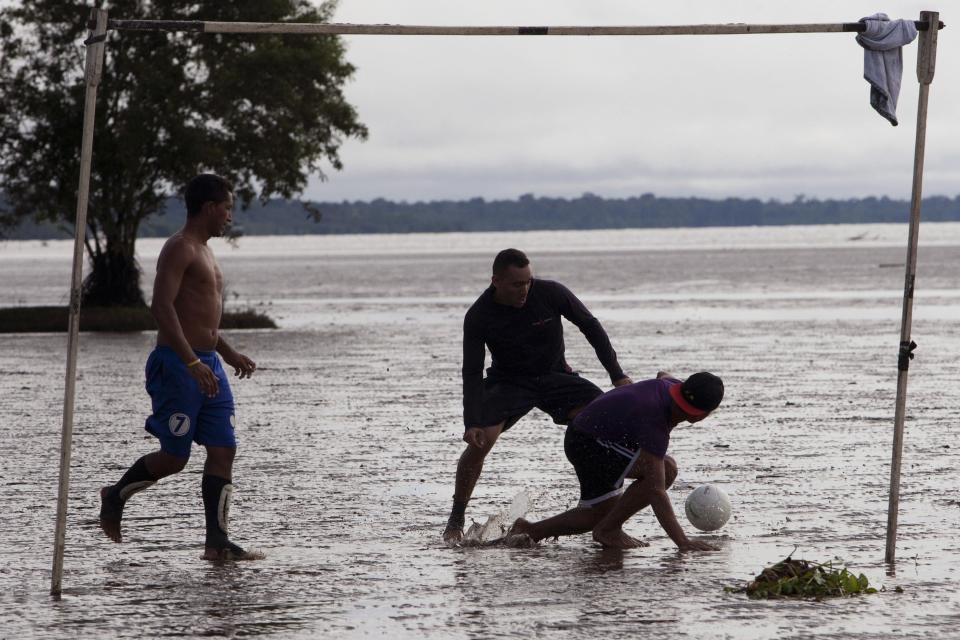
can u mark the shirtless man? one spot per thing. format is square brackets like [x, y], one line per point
[625, 434]
[190, 393]
[518, 319]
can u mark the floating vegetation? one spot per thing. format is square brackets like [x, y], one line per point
[803, 579]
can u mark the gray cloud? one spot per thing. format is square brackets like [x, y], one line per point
[763, 115]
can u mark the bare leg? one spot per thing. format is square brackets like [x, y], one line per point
[571, 522]
[161, 464]
[141, 475]
[219, 462]
[468, 469]
[568, 523]
[670, 470]
[584, 519]
[468, 472]
[620, 540]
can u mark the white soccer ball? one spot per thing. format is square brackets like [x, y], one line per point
[708, 507]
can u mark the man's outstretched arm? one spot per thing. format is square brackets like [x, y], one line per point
[576, 312]
[648, 489]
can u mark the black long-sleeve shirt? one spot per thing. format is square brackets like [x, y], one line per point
[525, 341]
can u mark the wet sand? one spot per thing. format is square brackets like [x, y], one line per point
[349, 434]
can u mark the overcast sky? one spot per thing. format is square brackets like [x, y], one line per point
[715, 116]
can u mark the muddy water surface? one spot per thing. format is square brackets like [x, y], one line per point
[350, 431]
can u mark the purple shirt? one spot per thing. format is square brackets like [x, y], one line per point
[630, 418]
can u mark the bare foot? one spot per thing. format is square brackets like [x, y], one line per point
[519, 540]
[111, 513]
[618, 539]
[520, 525]
[230, 553]
[452, 535]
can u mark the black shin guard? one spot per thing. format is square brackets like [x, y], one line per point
[112, 498]
[136, 479]
[217, 492]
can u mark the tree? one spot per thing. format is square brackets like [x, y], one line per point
[264, 111]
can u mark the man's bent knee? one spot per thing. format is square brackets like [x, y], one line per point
[476, 455]
[161, 464]
[481, 439]
[669, 470]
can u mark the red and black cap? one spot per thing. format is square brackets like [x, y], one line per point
[699, 394]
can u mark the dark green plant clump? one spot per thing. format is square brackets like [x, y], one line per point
[56, 319]
[791, 578]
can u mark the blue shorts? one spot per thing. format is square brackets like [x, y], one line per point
[182, 414]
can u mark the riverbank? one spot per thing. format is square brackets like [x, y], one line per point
[48, 319]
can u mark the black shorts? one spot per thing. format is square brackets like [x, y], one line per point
[507, 399]
[601, 466]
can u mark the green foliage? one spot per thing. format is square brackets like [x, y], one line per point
[262, 110]
[279, 217]
[586, 212]
[791, 578]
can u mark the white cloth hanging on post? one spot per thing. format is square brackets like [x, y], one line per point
[883, 60]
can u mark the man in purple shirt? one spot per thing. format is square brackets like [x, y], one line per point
[625, 434]
[518, 319]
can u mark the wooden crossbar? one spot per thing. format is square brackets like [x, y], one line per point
[423, 30]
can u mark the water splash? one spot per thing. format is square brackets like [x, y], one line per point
[498, 524]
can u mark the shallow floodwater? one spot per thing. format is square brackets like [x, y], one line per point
[350, 430]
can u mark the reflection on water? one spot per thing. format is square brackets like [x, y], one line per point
[350, 430]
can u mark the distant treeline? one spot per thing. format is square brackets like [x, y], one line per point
[283, 217]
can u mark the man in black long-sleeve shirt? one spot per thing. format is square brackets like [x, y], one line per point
[519, 320]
